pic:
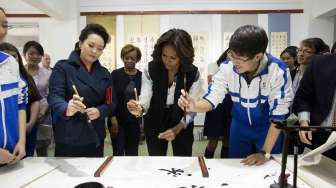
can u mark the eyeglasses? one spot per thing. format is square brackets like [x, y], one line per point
[231, 55]
[300, 50]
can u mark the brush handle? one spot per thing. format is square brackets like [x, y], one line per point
[203, 167]
[103, 166]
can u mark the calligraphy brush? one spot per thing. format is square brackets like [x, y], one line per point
[76, 92]
[141, 121]
[203, 167]
[137, 99]
[136, 94]
[103, 166]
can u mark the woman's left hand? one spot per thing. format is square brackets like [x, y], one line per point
[92, 113]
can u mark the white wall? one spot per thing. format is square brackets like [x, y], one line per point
[308, 25]
[325, 9]
[56, 37]
[323, 28]
[298, 28]
[58, 41]
[56, 34]
[334, 29]
[263, 22]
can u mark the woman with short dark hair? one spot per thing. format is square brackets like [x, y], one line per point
[125, 128]
[308, 48]
[289, 56]
[81, 97]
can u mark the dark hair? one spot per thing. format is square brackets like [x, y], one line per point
[76, 47]
[182, 43]
[35, 45]
[333, 48]
[248, 40]
[326, 49]
[315, 43]
[9, 47]
[222, 58]
[3, 10]
[292, 51]
[129, 48]
[94, 29]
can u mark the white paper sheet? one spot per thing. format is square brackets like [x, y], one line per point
[125, 172]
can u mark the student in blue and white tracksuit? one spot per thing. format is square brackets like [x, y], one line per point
[13, 99]
[261, 91]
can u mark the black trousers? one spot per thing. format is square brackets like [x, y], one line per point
[182, 144]
[320, 138]
[127, 141]
[89, 150]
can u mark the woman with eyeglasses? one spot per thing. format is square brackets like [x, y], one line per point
[308, 48]
[315, 102]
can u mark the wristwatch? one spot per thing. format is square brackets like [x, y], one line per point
[268, 156]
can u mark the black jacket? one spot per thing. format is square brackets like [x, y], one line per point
[120, 81]
[93, 87]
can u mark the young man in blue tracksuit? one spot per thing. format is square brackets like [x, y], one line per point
[13, 100]
[261, 92]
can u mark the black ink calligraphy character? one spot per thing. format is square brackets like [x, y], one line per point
[173, 171]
